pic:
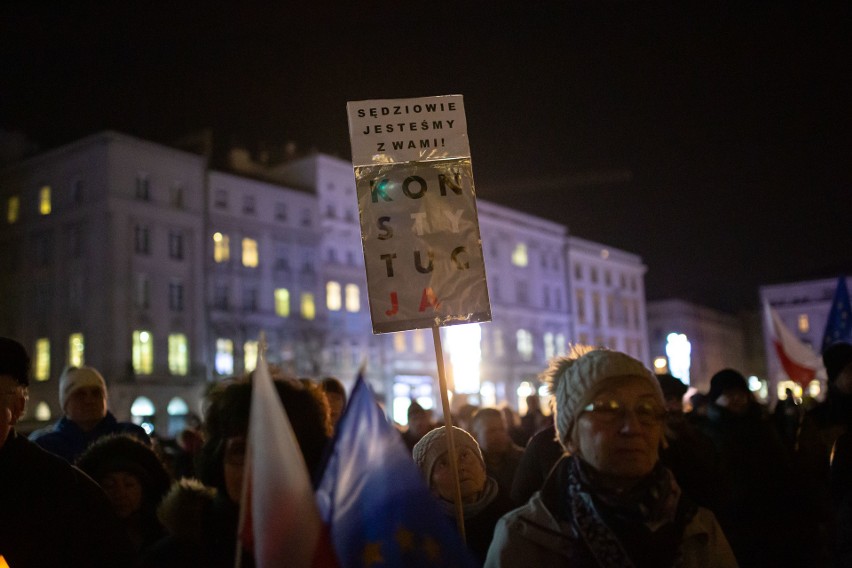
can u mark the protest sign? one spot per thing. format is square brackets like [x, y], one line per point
[416, 199]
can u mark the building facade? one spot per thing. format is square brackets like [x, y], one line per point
[143, 261]
[693, 342]
[608, 297]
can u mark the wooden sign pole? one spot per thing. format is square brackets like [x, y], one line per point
[448, 422]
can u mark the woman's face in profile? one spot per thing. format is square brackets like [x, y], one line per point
[620, 436]
[234, 463]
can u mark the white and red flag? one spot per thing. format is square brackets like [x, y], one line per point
[279, 520]
[800, 361]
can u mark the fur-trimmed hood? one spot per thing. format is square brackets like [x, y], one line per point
[182, 509]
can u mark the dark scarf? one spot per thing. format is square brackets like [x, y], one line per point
[488, 494]
[640, 527]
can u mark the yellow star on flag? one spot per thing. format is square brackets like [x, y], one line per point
[405, 539]
[431, 547]
[373, 554]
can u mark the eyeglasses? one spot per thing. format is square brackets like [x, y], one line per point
[611, 411]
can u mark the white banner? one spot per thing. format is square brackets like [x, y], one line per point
[419, 228]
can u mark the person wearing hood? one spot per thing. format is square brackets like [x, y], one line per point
[609, 501]
[134, 479]
[83, 396]
[482, 502]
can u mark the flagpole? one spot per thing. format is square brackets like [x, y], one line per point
[448, 422]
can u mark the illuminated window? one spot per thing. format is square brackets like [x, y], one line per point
[178, 354]
[282, 302]
[309, 310]
[332, 296]
[143, 352]
[679, 350]
[224, 356]
[549, 345]
[419, 341]
[399, 342]
[13, 209]
[804, 323]
[42, 412]
[519, 255]
[560, 343]
[142, 412]
[353, 298]
[525, 344]
[42, 359]
[44, 200]
[463, 342]
[499, 344]
[221, 247]
[249, 253]
[76, 350]
[581, 306]
[249, 356]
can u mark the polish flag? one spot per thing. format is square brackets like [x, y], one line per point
[279, 519]
[800, 362]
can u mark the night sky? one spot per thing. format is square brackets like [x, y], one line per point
[712, 139]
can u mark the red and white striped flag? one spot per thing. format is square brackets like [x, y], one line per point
[279, 520]
[800, 362]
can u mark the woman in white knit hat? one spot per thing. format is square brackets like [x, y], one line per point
[482, 503]
[609, 501]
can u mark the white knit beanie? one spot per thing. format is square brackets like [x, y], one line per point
[435, 444]
[74, 378]
[574, 380]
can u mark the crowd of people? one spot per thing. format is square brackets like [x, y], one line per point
[617, 469]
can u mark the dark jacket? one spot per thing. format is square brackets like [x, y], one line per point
[540, 455]
[52, 514]
[68, 441]
[201, 527]
[759, 513]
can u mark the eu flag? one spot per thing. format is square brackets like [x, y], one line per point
[374, 500]
[839, 324]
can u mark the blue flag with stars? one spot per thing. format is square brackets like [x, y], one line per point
[372, 496]
[839, 324]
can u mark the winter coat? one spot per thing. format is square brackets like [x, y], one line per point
[532, 535]
[68, 441]
[202, 529]
[759, 513]
[54, 515]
